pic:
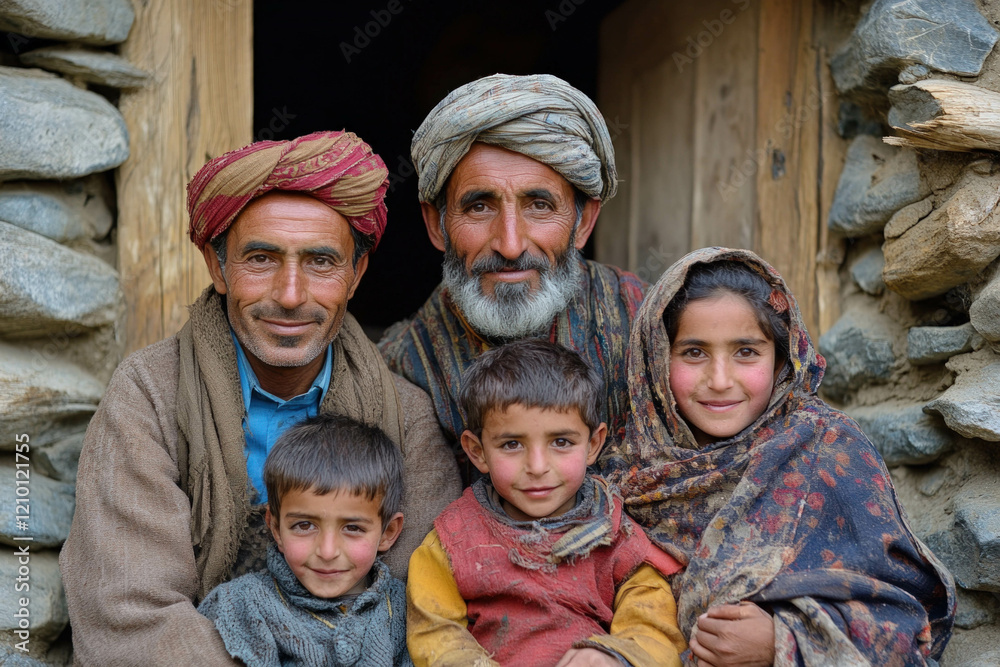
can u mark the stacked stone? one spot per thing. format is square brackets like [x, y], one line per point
[915, 358]
[60, 299]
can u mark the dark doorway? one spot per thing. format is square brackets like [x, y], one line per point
[377, 68]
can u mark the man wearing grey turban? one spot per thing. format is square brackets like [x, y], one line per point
[513, 171]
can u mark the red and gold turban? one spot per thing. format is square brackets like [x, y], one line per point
[337, 168]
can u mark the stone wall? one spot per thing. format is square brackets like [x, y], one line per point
[60, 299]
[915, 358]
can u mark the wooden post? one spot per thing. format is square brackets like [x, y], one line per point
[198, 105]
[789, 102]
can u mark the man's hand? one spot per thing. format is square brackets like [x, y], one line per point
[734, 635]
[588, 657]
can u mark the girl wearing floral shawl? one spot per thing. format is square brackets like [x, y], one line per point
[766, 493]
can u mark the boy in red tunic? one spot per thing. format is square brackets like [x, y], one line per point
[536, 564]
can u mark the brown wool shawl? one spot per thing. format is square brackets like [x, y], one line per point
[211, 455]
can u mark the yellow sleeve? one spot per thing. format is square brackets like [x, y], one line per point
[436, 616]
[644, 627]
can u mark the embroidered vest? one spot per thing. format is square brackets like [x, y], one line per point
[532, 612]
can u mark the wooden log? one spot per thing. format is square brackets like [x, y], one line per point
[198, 106]
[945, 115]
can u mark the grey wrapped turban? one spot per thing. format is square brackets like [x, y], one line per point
[540, 116]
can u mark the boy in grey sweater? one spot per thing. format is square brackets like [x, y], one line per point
[334, 489]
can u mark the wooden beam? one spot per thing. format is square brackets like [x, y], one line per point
[789, 102]
[198, 106]
[945, 116]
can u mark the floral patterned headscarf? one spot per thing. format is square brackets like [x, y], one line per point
[796, 512]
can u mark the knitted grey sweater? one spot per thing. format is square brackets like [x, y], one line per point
[262, 630]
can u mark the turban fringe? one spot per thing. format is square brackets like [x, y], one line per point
[540, 116]
[337, 168]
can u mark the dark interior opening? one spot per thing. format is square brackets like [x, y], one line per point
[378, 67]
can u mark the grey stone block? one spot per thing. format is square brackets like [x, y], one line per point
[61, 459]
[984, 313]
[63, 211]
[46, 287]
[971, 406]
[49, 128]
[904, 435]
[857, 351]
[49, 504]
[88, 65]
[930, 345]
[944, 35]
[877, 181]
[976, 608]
[40, 396]
[11, 657]
[87, 21]
[867, 272]
[47, 600]
[974, 552]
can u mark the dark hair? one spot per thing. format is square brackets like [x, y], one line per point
[705, 281]
[535, 374]
[329, 453]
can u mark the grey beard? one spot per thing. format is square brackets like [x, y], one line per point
[514, 311]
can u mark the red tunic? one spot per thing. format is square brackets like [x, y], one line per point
[532, 613]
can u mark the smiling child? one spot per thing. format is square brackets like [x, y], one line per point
[796, 548]
[537, 564]
[334, 488]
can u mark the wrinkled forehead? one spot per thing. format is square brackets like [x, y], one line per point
[289, 220]
[498, 171]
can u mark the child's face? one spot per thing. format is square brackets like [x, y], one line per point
[330, 541]
[536, 458]
[721, 367]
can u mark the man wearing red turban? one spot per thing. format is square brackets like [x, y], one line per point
[170, 491]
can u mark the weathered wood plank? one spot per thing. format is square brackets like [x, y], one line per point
[638, 39]
[198, 105]
[788, 129]
[634, 38]
[724, 131]
[662, 177]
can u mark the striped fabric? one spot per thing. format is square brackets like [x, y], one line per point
[539, 115]
[337, 168]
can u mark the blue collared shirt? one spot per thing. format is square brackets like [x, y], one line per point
[268, 416]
